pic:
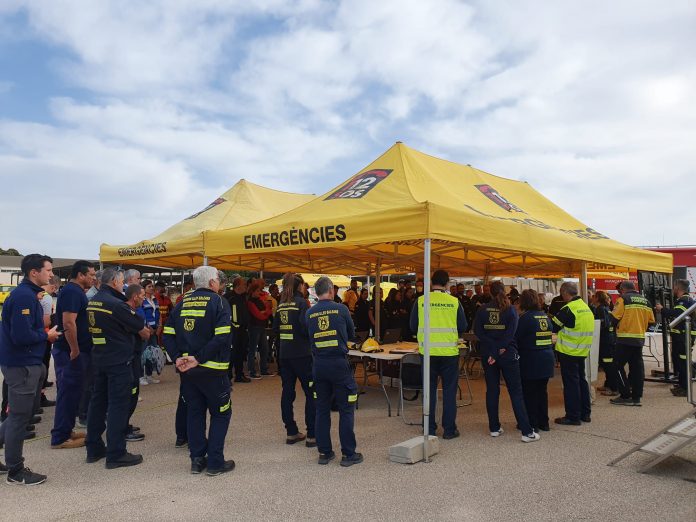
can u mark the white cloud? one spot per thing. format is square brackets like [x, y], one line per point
[588, 102]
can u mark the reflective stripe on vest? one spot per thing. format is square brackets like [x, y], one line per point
[577, 341]
[443, 324]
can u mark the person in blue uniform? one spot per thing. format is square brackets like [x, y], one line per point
[112, 324]
[197, 337]
[495, 325]
[607, 344]
[22, 347]
[295, 359]
[683, 302]
[330, 327]
[71, 354]
[535, 347]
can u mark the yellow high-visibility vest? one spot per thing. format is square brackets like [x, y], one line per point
[577, 341]
[443, 324]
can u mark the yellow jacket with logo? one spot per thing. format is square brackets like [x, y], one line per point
[634, 315]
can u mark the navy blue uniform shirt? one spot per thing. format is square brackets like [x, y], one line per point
[22, 334]
[72, 298]
[112, 324]
[200, 325]
[496, 330]
[536, 361]
[330, 328]
[290, 324]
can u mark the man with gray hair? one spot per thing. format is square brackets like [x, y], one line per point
[574, 323]
[633, 315]
[112, 324]
[330, 327]
[131, 277]
[197, 337]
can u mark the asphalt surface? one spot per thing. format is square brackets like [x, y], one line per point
[475, 477]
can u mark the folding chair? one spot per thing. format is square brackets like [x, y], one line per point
[410, 379]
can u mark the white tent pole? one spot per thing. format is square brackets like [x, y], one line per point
[378, 299]
[426, 348]
[205, 260]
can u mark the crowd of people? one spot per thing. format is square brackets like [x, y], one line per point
[111, 333]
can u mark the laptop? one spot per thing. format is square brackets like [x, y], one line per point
[391, 336]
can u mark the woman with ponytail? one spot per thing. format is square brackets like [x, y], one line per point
[495, 325]
[294, 358]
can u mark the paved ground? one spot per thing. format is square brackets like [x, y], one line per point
[475, 477]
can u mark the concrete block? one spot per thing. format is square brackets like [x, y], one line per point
[411, 451]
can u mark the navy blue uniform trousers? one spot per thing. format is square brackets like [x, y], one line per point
[576, 391]
[333, 380]
[292, 370]
[109, 409]
[70, 378]
[447, 369]
[204, 391]
[510, 368]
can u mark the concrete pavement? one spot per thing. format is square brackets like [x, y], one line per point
[475, 477]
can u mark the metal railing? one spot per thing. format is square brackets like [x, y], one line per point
[686, 318]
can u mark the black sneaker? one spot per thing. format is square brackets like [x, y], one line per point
[621, 401]
[25, 477]
[39, 411]
[133, 429]
[31, 427]
[565, 421]
[48, 384]
[355, 458]
[451, 435]
[198, 465]
[46, 402]
[30, 435]
[35, 419]
[678, 392]
[125, 460]
[545, 427]
[181, 443]
[91, 459]
[226, 468]
[586, 418]
[134, 437]
[243, 378]
[311, 442]
[325, 458]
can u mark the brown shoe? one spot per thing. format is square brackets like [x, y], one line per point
[70, 444]
[292, 439]
[609, 393]
[77, 435]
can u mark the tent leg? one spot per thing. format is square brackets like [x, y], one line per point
[426, 349]
[378, 299]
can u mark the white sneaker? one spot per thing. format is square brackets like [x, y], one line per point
[152, 380]
[533, 437]
[144, 381]
[497, 433]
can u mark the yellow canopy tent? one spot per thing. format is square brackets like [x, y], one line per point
[410, 212]
[339, 280]
[479, 224]
[182, 245]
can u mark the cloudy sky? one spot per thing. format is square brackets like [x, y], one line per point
[118, 118]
